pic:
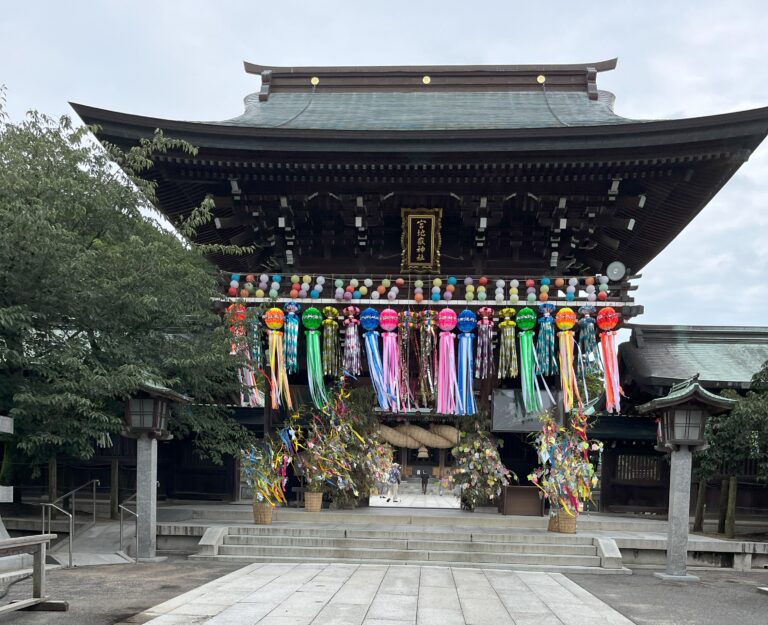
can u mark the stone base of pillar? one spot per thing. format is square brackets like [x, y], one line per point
[676, 578]
[154, 559]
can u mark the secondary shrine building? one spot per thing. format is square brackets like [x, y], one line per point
[461, 187]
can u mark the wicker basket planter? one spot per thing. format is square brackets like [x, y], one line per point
[552, 523]
[313, 502]
[262, 513]
[566, 523]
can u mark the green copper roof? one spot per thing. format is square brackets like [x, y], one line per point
[685, 391]
[408, 111]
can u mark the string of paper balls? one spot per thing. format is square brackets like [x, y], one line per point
[301, 287]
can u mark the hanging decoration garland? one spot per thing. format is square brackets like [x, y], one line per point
[526, 321]
[406, 321]
[391, 357]
[466, 324]
[507, 350]
[291, 338]
[589, 355]
[249, 391]
[369, 319]
[448, 399]
[257, 342]
[545, 344]
[312, 320]
[607, 319]
[330, 341]
[484, 354]
[352, 345]
[278, 381]
[426, 355]
[566, 320]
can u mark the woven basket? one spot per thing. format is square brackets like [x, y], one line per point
[566, 523]
[313, 502]
[262, 513]
[552, 524]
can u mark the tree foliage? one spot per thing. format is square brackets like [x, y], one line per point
[96, 297]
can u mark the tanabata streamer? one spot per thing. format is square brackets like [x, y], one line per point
[249, 391]
[257, 342]
[566, 320]
[526, 321]
[507, 350]
[406, 321]
[391, 358]
[278, 381]
[484, 353]
[607, 319]
[369, 319]
[312, 320]
[426, 354]
[448, 398]
[545, 344]
[291, 337]
[589, 355]
[352, 347]
[466, 324]
[330, 341]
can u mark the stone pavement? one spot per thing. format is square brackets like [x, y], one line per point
[416, 500]
[348, 594]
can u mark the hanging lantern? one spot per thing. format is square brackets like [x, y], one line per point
[423, 453]
[312, 320]
[607, 319]
[484, 353]
[448, 398]
[352, 347]
[291, 337]
[566, 320]
[331, 356]
[526, 321]
[589, 354]
[507, 350]
[545, 344]
[274, 320]
[466, 323]
[391, 357]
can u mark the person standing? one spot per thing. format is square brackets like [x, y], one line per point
[424, 481]
[394, 482]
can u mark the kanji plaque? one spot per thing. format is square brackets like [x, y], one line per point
[421, 239]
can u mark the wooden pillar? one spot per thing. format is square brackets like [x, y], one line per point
[722, 509]
[730, 517]
[698, 520]
[441, 469]
[53, 487]
[114, 488]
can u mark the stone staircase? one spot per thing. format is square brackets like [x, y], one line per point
[412, 545]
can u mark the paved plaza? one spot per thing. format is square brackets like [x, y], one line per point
[346, 594]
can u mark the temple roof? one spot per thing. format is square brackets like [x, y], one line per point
[722, 356]
[685, 391]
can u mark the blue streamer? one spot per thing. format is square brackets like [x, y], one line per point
[466, 404]
[376, 368]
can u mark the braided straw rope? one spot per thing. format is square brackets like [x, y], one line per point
[414, 436]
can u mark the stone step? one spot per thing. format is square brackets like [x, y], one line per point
[551, 568]
[411, 534]
[424, 544]
[278, 552]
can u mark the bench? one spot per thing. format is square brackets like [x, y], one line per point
[37, 546]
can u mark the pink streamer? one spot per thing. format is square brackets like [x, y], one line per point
[391, 360]
[447, 386]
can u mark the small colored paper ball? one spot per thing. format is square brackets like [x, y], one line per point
[529, 283]
[447, 296]
[559, 283]
[543, 297]
[388, 319]
[513, 291]
[569, 297]
[469, 296]
[259, 293]
[602, 296]
[274, 285]
[263, 278]
[295, 279]
[391, 295]
[356, 294]
[353, 283]
[339, 296]
[232, 291]
[235, 277]
[483, 280]
[437, 282]
[573, 282]
[468, 280]
[277, 278]
[274, 318]
[591, 297]
[263, 286]
[570, 289]
[234, 284]
[273, 293]
[530, 290]
[499, 291]
[338, 283]
[565, 318]
[348, 295]
[312, 318]
[466, 321]
[395, 290]
[603, 279]
[368, 282]
[418, 290]
[399, 282]
[244, 293]
[546, 281]
[306, 279]
[319, 288]
[418, 297]
[514, 283]
[320, 280]
[349, 288]
[607, 318]
[250, 278]
[381, 289]
[526, 319]
[435, 297]
[499, 284]
[481, 288]
[446, 319]
[452, 280]
[499, 297]
[385, 283]
[589, 280]
[436, 289]
[375, 295]
[482, 295]
[418, 284]
[363, 290]
[450, 288]
[602, 287]
[531, 297]
[514, 298]
[248, 286]
[314, 293]
[470, 288]
[544, 288]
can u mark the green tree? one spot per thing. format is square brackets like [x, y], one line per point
[97, 297]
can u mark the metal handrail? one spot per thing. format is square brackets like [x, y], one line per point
[136, 521]
[48, 506]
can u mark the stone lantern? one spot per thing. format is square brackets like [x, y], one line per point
[146, 420]
[682, 415]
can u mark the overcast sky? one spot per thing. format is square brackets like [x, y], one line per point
[183, 60]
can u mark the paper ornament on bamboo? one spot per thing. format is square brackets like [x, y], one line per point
[405, 325]
[589, 354]
[607, 319]
[369, 319]
[484, 353]
[526, 321]
[447, 385]
[278, 381]
[566, 320]
[508, 367]
[352, 346]
[426, 356]
[312, 319]
[390, 357]
[331, 348]
[467, 320]
[291, 337]
[545, 343]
